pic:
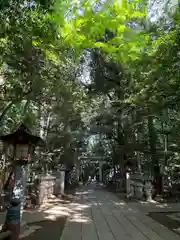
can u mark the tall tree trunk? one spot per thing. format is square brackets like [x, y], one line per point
[154, 157]
[121, 140]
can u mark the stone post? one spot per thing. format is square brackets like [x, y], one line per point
[100, 171]
[128, 183]
[62, 181]
[148, 190]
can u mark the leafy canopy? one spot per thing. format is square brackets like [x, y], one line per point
[85, 24]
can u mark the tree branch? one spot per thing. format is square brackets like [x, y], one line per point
[6, 109]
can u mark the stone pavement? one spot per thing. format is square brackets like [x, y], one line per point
[147, 207]
[100, 215]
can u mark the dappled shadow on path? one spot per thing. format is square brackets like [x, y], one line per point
[53, 216]
[93, 212]
[153, 206]
[98, 214]
[162, 218]
[46, 229]
[94, 207]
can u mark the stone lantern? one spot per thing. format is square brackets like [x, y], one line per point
[20, 145]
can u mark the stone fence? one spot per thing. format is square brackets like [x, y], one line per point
[139, 186]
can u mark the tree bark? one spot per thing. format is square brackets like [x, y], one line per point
[154, 157]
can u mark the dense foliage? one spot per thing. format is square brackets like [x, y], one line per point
[131, 100]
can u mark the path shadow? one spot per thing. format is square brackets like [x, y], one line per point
[45, 230]
[49, 222]
[165, 219]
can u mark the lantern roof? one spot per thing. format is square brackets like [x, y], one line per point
[22, 135]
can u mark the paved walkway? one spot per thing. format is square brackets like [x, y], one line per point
[100, 215]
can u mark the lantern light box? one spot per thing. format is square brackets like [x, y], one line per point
[21, 143]
[21, 151]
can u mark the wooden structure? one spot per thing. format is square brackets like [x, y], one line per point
[21, 144]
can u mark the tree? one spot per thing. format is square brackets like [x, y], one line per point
[133, 68]
[38, 83]
[133, 87]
